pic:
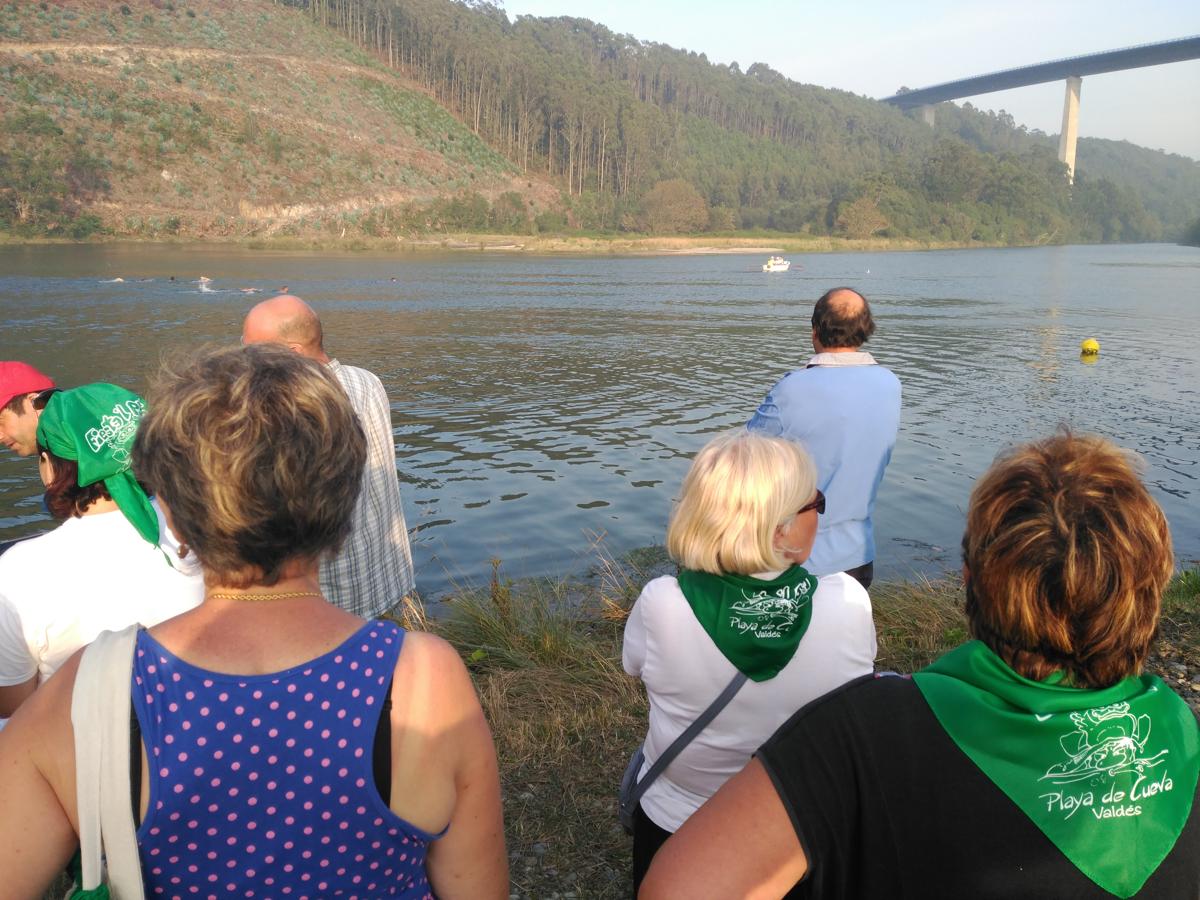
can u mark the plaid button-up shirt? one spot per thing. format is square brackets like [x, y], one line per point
[374, 570]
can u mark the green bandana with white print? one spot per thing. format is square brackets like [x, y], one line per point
[757, 624]
[1107, 775]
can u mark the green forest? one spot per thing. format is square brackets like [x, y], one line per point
[381, 118]
[645, 137]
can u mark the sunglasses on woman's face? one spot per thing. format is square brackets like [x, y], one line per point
[818, 503]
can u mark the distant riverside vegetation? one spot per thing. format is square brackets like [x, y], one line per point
[1191, 236]
[399, 118]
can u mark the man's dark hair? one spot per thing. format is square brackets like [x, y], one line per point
[17, 404]
[836, 330]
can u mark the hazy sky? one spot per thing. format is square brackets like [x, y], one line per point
[873, 47]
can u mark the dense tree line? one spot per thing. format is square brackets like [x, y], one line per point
[1167, 184]
[623, 123]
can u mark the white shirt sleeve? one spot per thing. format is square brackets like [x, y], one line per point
[17, 665]
[633, 646]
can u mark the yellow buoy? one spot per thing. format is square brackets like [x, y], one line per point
[1089, 347]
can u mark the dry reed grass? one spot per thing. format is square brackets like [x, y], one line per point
[917, 621]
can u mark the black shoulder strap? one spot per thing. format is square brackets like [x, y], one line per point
[686, 737]
[135, 765]
[381, 758]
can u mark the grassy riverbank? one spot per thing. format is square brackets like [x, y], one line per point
[546, 660]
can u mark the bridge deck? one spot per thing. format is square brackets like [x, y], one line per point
[1056, 70]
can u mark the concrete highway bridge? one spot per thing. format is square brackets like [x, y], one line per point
[1072, 70]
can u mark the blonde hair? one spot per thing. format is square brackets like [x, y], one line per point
[258, 454]
[741, 487]
[1067, 557]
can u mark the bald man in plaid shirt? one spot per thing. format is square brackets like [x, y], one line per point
[373, 572]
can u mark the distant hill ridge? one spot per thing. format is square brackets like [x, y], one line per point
[225, 118]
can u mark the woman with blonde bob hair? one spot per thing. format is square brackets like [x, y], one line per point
[278, 745]
[741, 603]
[1036, 760]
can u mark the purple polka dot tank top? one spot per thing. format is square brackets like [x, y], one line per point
[261, 786]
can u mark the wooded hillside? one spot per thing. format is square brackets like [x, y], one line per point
[216, 118]
[611, 117]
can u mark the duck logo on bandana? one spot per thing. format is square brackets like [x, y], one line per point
[1107, 742]
[768, 614]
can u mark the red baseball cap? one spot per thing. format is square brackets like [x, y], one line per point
[20, 378]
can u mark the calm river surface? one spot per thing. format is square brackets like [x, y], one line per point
[540, 401]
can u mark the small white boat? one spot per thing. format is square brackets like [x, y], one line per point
[776, 264]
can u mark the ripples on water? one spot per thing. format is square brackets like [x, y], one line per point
[540, 400]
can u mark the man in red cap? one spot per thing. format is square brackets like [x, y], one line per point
[23, 394]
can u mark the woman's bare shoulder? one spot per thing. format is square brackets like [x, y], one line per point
[422, 648]
[432, 673]
[40, 733]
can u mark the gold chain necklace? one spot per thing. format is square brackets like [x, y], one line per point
[280, 595]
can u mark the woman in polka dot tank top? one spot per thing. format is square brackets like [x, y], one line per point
[287, 749]
[261, 771]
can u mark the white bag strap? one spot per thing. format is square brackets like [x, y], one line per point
[100, 717]
[85, 723]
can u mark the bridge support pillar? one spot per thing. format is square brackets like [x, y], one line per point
[1070, 127]
[927, 113]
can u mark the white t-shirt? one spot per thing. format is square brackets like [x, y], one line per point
[91, 574]
[684, 672]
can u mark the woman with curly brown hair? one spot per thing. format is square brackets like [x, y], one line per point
[1036, 760]
[281, 746]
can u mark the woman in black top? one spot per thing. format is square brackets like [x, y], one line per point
[1034, 760]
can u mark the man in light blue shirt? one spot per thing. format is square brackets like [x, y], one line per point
[845, 409]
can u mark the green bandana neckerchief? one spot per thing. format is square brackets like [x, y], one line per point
[1107, 775]
[756, 624]
[78, 892]
[95, 425]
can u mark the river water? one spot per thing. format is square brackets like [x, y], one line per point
[543, 402]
